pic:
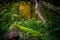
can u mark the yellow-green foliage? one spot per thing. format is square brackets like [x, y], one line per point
[24, 29]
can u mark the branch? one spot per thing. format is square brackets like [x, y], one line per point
[51, 7]
[39, 12]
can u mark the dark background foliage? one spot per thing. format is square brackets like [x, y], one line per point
[10, 14]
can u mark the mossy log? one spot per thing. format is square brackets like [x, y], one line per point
[24, 29]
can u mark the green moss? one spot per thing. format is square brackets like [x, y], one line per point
[24, 29]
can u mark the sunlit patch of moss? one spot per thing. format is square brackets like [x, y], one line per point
[24, 29]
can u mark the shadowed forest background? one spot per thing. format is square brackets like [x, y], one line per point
[29, 19]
